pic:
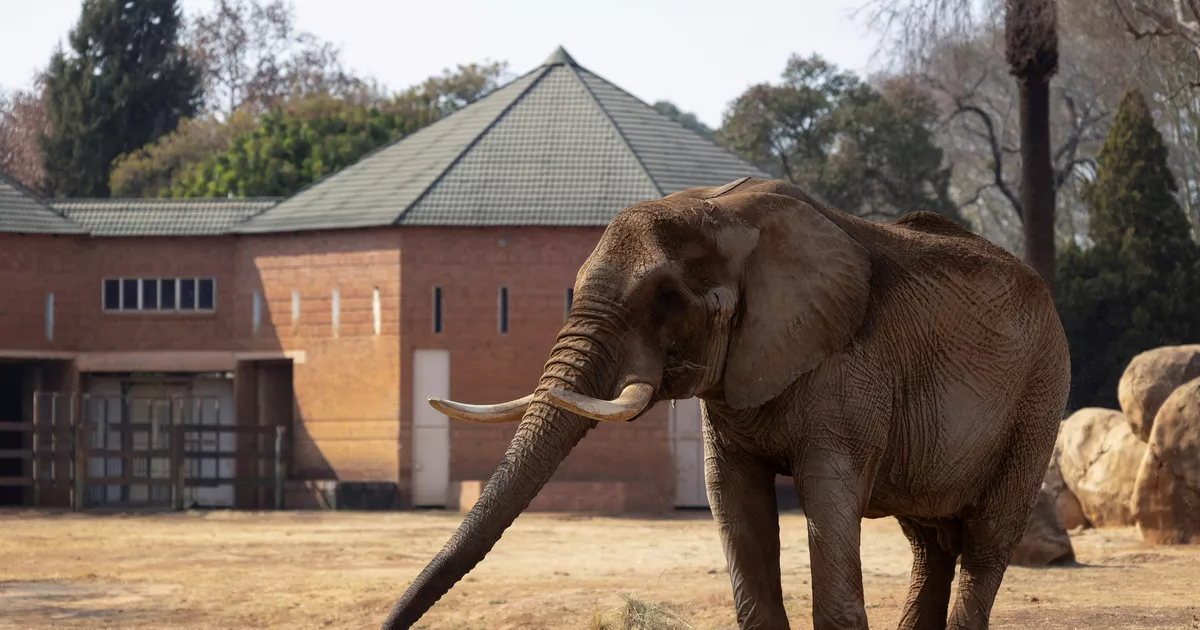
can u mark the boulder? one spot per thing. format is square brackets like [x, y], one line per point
[1149, 378]
[1066, 504]
[1099, 460]
[1166, 499]
[1045, 541]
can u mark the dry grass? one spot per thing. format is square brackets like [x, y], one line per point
[344, 570]
[635, 614]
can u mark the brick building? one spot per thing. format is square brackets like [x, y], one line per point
[439, 265]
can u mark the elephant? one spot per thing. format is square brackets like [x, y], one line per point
[908, 369]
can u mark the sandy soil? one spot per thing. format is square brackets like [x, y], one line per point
[344, 570]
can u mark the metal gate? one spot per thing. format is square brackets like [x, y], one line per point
[147, 452]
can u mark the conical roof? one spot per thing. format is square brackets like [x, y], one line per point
[559, 145]
[23, 211]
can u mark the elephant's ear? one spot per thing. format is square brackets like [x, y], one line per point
[804, 293]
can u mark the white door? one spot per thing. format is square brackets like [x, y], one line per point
[687, 445]
[431, 430]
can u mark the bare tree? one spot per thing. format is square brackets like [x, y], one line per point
[969, 79]
[254, 57]
[22, 120]
[1031, 50]
[1179, 19]
[968, 74]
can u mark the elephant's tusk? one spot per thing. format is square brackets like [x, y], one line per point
[631, 402]
[493, 414]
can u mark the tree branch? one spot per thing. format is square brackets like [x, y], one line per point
[1063, 174]
[997, 153]
[975, 198]
[1166, 25]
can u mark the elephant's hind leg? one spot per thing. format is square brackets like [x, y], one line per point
[935, 550]
[992, 530]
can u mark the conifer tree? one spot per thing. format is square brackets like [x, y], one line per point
[126, 82]
[1136, 287]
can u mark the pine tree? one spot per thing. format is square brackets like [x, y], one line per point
[1136, 287]
[126, 82]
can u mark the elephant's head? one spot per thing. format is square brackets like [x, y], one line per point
[728, 295]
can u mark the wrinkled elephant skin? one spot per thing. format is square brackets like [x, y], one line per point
[908, 369]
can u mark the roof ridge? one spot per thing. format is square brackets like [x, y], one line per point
[544, 70]
[668, 118]
[39, 200]
[28, 192]
[575, 68]
[379, 149]
[151, 200]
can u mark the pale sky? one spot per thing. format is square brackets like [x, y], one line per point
[700, 54]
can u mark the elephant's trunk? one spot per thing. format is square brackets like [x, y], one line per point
[544, 438]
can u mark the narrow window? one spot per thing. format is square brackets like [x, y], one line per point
[49, 317]
[112, 294]
[255, 314]
[149, 294]
[168, 293]
[437, 309]
[569, 300]
[295, 308]
[207, 294]
[503, 310]
[187, 294]
[129, 294]
[377, 311]
[335, 313]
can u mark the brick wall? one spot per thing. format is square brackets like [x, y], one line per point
[30, 267]
[99, 258]
[537, 265]
[353, 395]
[74, 268]
[346, 391]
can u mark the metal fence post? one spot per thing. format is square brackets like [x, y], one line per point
[177, 461]
[53, 440]
[35, 469]
[79, 470]
[279, 467]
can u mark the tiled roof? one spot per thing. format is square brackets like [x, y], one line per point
[23, 211]
[557, 146]
[160, 217]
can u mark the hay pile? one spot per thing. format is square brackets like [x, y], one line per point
[636, 614]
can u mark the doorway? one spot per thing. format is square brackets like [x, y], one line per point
[14, 431]
[687, 446]
[431, 430]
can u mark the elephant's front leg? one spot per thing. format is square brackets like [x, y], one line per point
[833, 492]
[741, 493]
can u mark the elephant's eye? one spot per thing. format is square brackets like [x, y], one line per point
[669, 298]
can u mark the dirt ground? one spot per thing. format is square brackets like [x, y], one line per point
[344, 570]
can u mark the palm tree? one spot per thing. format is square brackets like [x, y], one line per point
[1031, 49]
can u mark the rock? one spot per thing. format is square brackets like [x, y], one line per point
[1099, 460]
[1166, 500]
[1066, 504]
[1045, 541]
[1149, 378]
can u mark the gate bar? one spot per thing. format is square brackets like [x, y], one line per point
[279, 429]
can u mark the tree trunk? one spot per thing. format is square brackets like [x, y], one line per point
[1031, 48]
[1037, 174]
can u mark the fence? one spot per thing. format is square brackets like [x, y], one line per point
[150, 452]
